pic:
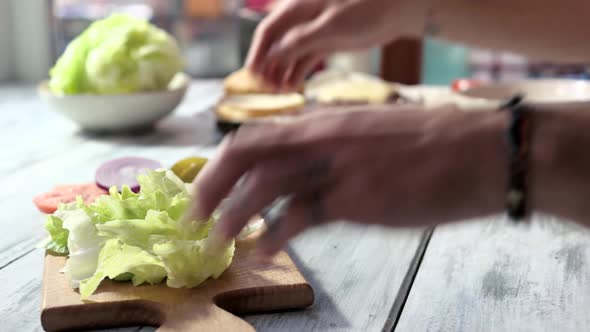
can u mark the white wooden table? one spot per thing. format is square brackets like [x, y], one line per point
[357, 273]
[488, 275]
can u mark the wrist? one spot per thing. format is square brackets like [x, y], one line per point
[559, 164]
[555, 167]
[485, 140]
[470, 152]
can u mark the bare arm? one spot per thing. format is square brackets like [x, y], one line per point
[542, 30]
[397, 166]
[298, 34]
[560, 165]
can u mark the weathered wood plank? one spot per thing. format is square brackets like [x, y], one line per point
[21, 280]
[356, 273]
[20, 287]
[493, 275]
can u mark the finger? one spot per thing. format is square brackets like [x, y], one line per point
[221, 173]
[218, 176]
[300, 69]
[263, 185]
[269, 181]
[286, 15]
[284, 83]
[275, 73]
[314, 37]
[264, 35]
[291, 222]
[301, 212]
[241, 150]
[268, 73]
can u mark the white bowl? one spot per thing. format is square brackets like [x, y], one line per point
[117, 113]
[542, 93]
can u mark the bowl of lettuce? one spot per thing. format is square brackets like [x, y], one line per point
[121, 73]
[139, 237]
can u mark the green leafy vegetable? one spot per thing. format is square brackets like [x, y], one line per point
[117, 258]
[119, 54]
[58, 241]
[189, 263]
[83, 242]
[141, 237]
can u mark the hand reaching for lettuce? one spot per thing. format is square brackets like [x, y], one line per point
[120, 54]
[141, 237]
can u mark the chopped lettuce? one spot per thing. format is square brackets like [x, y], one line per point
[142, 237]
[119, 54]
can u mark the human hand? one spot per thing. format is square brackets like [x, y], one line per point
[401, 167]
[298, 34]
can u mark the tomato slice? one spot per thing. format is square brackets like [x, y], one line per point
[49, 201]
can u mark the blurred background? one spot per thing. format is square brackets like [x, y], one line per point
[215, 35]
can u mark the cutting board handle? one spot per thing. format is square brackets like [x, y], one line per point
[201, 314]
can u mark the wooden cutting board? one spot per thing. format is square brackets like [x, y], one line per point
[248, 286]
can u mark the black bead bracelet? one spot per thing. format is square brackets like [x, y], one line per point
[518, 135]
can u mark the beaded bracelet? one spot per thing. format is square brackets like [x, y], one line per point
[518, 135]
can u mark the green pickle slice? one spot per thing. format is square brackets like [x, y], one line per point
[188, 168]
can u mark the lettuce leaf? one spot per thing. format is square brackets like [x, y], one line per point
[58, 236]
[189, 263]
[83, 244]
[116, 259]
[119, 54]
[142, 237]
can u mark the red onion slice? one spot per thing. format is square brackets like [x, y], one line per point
[124, 171]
